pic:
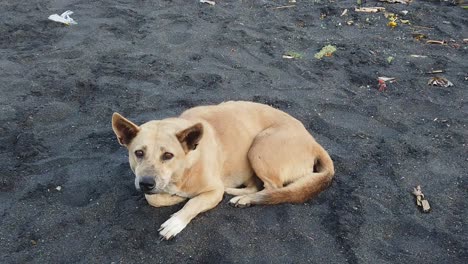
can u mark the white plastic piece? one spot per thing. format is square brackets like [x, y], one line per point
[208, 2]
[63, 18]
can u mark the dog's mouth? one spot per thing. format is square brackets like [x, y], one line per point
[150, 192]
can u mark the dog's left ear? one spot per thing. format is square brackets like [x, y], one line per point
[190, 137]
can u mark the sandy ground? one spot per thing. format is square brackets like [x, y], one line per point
[150, 59]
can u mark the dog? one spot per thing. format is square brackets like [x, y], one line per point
[252, 151]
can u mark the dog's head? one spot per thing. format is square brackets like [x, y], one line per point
[158, 151]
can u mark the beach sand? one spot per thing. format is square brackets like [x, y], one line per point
[67, 192]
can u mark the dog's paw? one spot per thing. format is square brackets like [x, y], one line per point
[172, 227]
[240, 201]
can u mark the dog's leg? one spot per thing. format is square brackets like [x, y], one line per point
[198, 204]
[250, 187]
[241, 191]
[163, 199]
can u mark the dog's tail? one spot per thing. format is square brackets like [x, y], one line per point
[304, 188]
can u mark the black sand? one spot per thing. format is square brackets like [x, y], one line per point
[150, 59]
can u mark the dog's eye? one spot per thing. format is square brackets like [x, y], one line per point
[139, 153]
[167, 156]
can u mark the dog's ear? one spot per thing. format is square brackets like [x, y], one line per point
[190, 137]
[124, 129]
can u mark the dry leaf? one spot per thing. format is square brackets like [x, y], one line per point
[389, 15]
[326, 51]
[344, 12]
[439, 81]
[419, 36]
[292, 55]
[392, 24]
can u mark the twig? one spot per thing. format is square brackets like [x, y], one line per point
[283, 7]
[423, 27]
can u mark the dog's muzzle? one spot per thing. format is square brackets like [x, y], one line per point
[147, 184]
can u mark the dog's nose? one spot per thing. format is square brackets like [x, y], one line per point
[147, 183]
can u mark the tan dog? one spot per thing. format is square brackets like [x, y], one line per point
[210, 150]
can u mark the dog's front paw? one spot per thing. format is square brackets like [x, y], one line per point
[172, 227]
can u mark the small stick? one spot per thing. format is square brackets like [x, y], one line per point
[436, 71]
[423, 27]
[283, 7]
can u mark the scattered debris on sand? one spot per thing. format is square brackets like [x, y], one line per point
[284, 7]
[64, 18]
[406, 2]
[439, 42]
[418, 56]
[292, 55]
[326, 51]
[420, 200]
[369, 9]
[435, 71]
[382, 82]
[439, 81]
[419, 36]
[390, 59]
[208, 2]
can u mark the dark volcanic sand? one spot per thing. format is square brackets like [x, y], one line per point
[150, 59]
